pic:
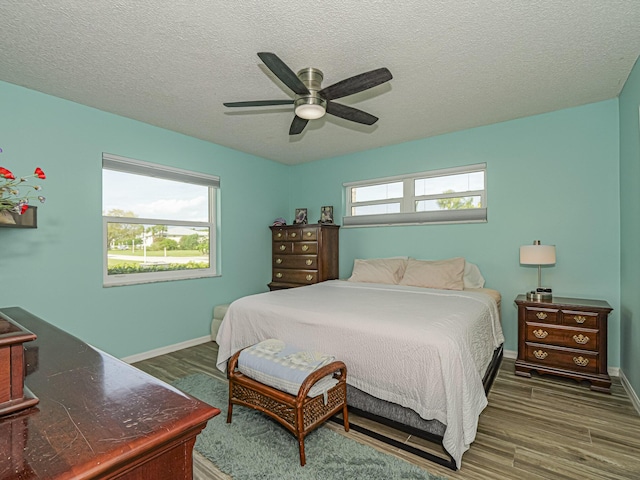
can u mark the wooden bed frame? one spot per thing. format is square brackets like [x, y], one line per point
[445, 460]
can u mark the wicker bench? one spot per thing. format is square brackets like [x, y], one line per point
[298, 414]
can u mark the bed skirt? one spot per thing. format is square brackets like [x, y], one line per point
[406, 420]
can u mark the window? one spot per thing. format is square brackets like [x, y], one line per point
[440, 196]
[158, 222]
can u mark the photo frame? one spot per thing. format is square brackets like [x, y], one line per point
[300, 216]
[326, 214]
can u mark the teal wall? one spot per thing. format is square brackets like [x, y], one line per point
[551, 177]
[55, 271]
[630, 229]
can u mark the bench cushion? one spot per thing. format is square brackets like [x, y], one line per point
[284, 366]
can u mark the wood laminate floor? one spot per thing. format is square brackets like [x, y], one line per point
[538, 428]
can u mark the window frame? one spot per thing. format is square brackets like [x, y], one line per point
[138, 167]
[408, 214]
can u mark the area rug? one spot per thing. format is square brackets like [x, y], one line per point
[253, 446]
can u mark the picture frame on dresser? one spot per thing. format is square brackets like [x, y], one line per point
[326, 214]
[300, 217]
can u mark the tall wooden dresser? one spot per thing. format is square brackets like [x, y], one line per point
[303, 255]
[566, 337]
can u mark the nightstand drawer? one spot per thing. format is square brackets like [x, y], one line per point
[575, 360]
[573, 318]
[539, 314]
[562, 337]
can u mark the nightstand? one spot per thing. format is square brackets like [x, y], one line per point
[566, 337]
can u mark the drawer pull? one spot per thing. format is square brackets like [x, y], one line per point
[278, 275]
[279, 235]
[283, 247]
[541, 315]
[278, 261]
[581, 339]
[309, 277]
[294, 234]
[308, 261]
[305, 248]
[581, 361]
[579, 318]
[541, 333]
[309, 234]
[541, 355]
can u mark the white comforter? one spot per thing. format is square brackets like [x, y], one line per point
[424, 349]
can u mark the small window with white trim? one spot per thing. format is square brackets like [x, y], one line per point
[159, 222]
[440, 196]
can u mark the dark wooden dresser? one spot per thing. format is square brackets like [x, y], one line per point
[303, 255]
[565, 336]
[98, 418]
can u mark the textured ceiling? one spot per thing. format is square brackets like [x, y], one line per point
[456, 64]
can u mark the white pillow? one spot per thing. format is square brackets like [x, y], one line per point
[472, 276]
[442, 274]
[378, 270]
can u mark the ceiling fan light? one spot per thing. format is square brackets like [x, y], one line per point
[310, 111]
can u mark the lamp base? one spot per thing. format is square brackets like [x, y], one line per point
[540, 295]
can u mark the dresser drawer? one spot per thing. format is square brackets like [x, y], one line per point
[305, 248]
[539, 314]
[294, 234]
[579, 319]
[278, 234]
[563, 337]
[295, 276]
[282, 248]
[575, 360]
[295, 261]
[309, 234]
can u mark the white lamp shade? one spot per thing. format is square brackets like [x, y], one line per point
[537, 255]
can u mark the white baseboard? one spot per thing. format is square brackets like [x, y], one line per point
[633, 396]
[168, 349]
[510, 354]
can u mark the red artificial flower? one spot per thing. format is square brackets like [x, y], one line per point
[6, 174]
[23, 208]
[40, 173]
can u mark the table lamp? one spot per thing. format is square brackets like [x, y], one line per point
[539, 255]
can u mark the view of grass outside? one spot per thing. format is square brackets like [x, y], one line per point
[128, 255]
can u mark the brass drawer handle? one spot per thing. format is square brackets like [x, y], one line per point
[309, 277]
[541, 315]
[278, 275]
[581, 361]
[309, 234]
[541, 333]
[579, 318]
[305, 248]
[283, 247]
[278, 261]
[581, 339]
[294, 234]
[279, 235]
[540, 355]
[308, 261]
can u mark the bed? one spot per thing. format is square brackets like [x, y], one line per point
[415, 356]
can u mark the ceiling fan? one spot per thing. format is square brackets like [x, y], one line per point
[311, 101]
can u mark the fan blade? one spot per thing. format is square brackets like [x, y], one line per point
[258, 103]
[350, 113]
[283, 72]
[297, 126]
[356, 84]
